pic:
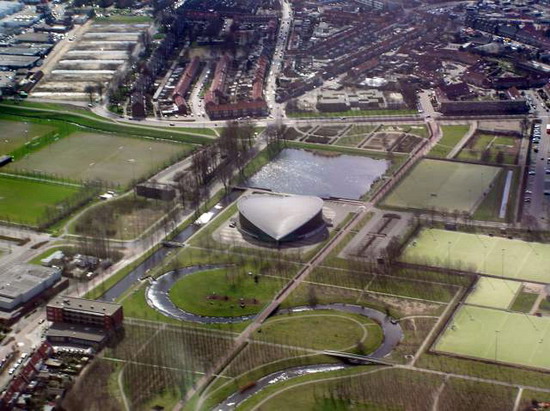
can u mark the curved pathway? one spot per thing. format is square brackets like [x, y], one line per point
[158, 297]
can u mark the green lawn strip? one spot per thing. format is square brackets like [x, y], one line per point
[491, 143]
[414, 289]
[451, 136]
[544, 306]
[31, 202]
[361, 130]
[352, 113]
[459, 394]
[221, 389]
[349, 141]
[39, 115]
[135, 306]
[323, 330]
[524, 302]
[123, 218]
[388, 389]
[224, 292]
[528, 396]
[489, 209]
[473, 368]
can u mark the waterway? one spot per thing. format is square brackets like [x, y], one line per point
[322, 174]
[158, 256]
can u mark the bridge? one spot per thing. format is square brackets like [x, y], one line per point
[356, 358]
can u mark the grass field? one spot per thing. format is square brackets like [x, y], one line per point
[323, 330]
[494, 293]
[443, 186]
[26, 201]
[219, 292]
[14, 134]
[524, 302]
[492, 145]
[498, 335]
[123, 218]
[451, 136]
[111, 158]
[498, 256]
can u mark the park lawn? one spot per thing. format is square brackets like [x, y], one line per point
[444, 186]
[219, 292]
[113, 159]
[350, 140]
[361, 130]
[524, 302]
[497, 256]
[459, 394]
[123, 218]
[357, 388]
[323, 330]
[451, 136]
[27, 201]
[14, 134]
[494, 293]
[489, 209]
[493, 144]
[496, 335]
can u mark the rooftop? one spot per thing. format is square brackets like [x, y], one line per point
[82, 304]
[81, 332]
[21, 278]
[279, 216]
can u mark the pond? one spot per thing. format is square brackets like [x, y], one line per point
[323, 174]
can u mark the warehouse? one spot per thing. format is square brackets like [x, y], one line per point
[20, 283]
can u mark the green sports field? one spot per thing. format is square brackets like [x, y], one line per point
[494, 292]
[14, 134]
[498, 335]
[498, 256]
[111, 158]
[25, 201]
[443, 186]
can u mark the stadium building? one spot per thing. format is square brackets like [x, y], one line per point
[281, 219]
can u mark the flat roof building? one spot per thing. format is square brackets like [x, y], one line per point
[20, 283]
[73, 310]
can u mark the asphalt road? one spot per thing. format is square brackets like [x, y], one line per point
[538, 207]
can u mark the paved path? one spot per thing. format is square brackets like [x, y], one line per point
[456, 149]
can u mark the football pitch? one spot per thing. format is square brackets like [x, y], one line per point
[497, 256]
[14, 134]
[111, 158]
[25, 201]
[494, 292]
[497, 335]
[443, 186]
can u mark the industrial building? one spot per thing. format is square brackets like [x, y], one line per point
[280, 219]
[21, 283]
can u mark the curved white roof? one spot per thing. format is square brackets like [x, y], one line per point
[279, 216]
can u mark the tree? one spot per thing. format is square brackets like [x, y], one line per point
[89, 89]
[500, 157]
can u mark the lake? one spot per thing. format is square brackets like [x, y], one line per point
[305, 172]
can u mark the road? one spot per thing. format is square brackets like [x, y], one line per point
[277, 109]
[538, 207]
